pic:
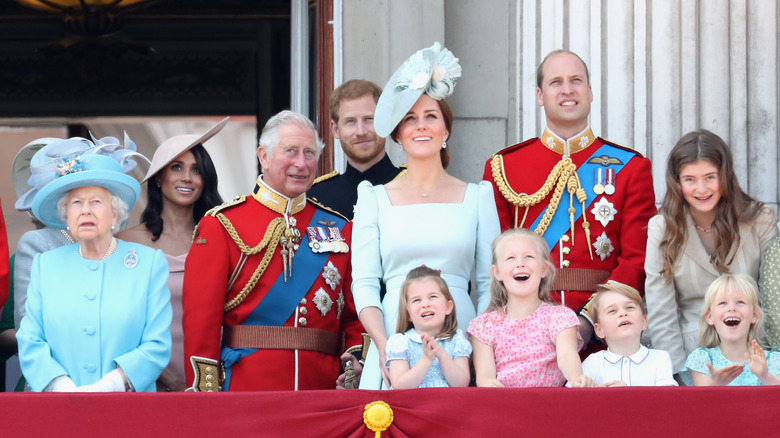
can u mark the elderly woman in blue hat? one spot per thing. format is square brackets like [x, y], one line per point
[425, 216]
[98, 311]
[34, 166]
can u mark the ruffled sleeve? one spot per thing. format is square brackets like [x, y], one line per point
[460, 345]
[366, 257]
[483, 329]
[561, 318]
[773, 362]
[397, 348]
[487, 230]
[697, 361]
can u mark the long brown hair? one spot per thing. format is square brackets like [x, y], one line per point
[734, 207]
[425, 273]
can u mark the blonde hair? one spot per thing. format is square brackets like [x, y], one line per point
[620, 288]
[498, 293]
[708, 336]
[418, 274]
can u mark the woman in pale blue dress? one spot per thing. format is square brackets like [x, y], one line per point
[425, 216]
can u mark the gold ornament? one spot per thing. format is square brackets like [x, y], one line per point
[378, 416]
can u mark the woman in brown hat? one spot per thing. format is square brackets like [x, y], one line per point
[181, 188]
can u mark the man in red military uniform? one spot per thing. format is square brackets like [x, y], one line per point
[267, 301]
[590, 199]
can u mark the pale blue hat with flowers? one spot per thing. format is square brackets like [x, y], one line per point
[432, 71]
[89, 169]
[35, 165]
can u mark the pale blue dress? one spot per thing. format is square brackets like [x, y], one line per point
[408, 346]
[388, 241]
[85, 317]
[697, 361]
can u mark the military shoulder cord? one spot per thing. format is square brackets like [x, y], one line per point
[270, 240]
[563, 176]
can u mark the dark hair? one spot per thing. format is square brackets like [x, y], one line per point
[734, 207]
[350, 90]
[208, 198]
[540, 69]
[446, 114]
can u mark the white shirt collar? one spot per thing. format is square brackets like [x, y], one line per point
[637, 357]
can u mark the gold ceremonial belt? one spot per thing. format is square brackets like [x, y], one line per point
[577, 279]
[280, 338]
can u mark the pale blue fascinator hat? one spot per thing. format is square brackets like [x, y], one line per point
[76, 166]
[35, 165]
[432, 71]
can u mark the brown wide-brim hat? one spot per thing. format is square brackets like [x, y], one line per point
[177, 145]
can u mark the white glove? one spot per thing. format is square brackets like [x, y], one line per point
[111, 382]
[61, 384]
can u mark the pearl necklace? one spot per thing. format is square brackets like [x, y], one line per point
[111, 249]
[67, 236]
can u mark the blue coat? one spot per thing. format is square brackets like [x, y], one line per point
[85, 317]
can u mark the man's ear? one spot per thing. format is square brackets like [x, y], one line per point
[334, 130]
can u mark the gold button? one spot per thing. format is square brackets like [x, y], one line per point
[209, 378]
[565, 238]
[209, 385]
[566, 263]
[303, 301]
[209, 370]
[303, 310]
[566, 250]
[302, 321]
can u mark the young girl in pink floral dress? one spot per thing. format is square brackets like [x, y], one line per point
[523, 340]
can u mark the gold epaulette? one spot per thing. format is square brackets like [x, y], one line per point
[619, 146]
[214, 210]
[515, 146]
[316, 203]
[238, 200]
[325, 177]
[403, 170]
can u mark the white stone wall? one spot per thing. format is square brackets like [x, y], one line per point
[659, 69]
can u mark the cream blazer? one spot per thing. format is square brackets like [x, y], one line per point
[674, 309]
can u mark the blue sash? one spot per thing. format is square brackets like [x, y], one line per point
[283, 297]
[560, 224]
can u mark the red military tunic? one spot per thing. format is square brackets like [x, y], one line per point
[618, 248]
[325, 303]
[4, 263]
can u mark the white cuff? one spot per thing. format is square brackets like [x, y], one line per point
[61, 384]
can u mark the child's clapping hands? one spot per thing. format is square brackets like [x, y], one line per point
[756, 360]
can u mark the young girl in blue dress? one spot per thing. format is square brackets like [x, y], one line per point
[428, 350]
[730, 326]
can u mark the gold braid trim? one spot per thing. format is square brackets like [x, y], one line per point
[559, 176]
[269, 243]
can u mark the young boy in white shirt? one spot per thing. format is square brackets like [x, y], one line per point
[620, 317]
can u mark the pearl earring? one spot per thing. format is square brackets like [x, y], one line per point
[400, 148]
[444, 144]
